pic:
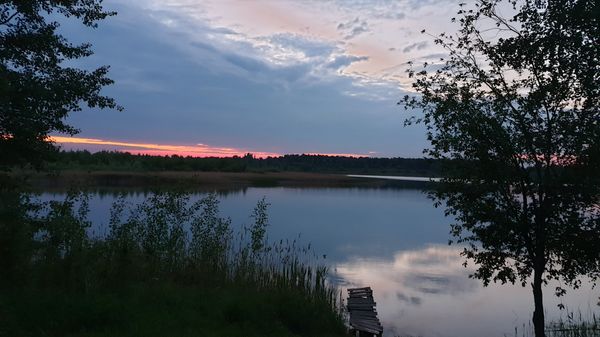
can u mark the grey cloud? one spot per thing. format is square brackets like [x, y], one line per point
[434, 57]
[440, 284]
[343, 61]
[223, 93]
[353, 28]
[387, 9]
[247, 63]
[417, 45]
[223, 30]
[414, 300]
[390, 15]
[310, 47]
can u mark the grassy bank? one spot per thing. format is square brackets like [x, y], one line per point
[168, 267]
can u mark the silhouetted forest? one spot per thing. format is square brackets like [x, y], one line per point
[123, 161]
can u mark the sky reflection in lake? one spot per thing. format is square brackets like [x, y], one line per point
[395, 241]
[427, 292]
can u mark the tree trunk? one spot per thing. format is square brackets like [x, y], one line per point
[538, 313]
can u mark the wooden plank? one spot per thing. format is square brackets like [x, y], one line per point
[358, 298]
[360, 295]
[366, 322]
[362, 310]
[361, 301]
[365, 312]
[371, 324]
[366, 326]
[370, 330]
[363, 293]
[358, 289]
[362, 326]
[371, 303]
[358, 309]
[358, 306]
[366, 316]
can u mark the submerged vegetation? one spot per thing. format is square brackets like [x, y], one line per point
[166, 266]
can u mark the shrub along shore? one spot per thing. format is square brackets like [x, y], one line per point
[168, 266]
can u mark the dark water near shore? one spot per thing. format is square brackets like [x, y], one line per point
[395, 241]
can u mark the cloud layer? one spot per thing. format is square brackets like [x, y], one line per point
[281, 77]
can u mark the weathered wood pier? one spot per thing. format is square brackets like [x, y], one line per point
[363, 316]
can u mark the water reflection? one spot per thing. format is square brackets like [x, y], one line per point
[392, 240]
[427, 292]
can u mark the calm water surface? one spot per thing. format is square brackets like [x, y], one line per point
[395, 241]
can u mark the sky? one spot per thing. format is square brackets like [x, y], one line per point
[220, 78]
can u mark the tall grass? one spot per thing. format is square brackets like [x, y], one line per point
[172, 237]
[573, 324]
[169, 240]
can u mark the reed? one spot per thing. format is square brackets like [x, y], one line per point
[169, 241]
[572, 324]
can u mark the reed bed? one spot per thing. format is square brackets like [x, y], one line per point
[168, 240]
[572, 324]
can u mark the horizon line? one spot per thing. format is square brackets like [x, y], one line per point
[199, 150]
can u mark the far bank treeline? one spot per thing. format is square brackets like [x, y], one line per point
[123, 161]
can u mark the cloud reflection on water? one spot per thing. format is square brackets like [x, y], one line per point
[427, 292]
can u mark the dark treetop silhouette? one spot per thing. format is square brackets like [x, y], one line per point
[516, 105]
[37, 88]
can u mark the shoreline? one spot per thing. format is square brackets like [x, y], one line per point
[199, 180]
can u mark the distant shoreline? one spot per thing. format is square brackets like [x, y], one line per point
[79, 179]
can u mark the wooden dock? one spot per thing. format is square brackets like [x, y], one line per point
[363, 316]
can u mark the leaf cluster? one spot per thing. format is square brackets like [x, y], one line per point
[39, 86]
[516, 106]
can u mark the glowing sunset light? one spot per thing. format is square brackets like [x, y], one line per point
[198, 150]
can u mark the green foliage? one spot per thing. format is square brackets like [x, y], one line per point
[16, 233]
[211, 234]
[167, 266]
[37, 87]
[259, 227]
[63, 240]
[514, 111]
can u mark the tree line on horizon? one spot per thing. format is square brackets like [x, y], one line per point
[124, 161]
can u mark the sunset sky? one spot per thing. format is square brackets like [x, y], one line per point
[267, 77]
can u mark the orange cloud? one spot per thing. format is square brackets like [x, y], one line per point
[198, 150]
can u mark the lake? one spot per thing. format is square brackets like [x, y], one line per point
[394, 241]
